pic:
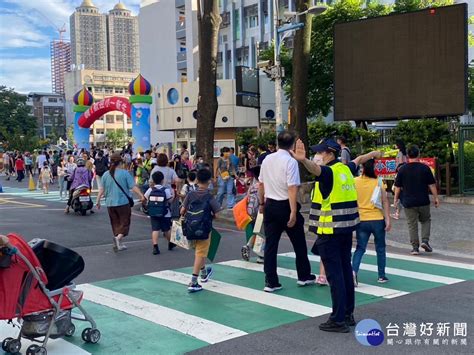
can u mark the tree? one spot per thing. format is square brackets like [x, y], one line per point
[413, 5]
[209, 21]
[115, 139]
[15, 119]
[431, 135]
[301, 56]
[250, 136]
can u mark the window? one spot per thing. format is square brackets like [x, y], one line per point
[251, 16]
[109, 90]
[129, 132]
[237, 24]
[119, 118]
[109, 119]
[52, 99]
[99, 131]
[129, 120]
[119, 90]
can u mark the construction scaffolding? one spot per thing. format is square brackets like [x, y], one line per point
[60, 63]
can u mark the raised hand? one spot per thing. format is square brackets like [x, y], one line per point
[300, 152]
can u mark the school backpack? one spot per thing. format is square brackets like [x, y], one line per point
[198, 219]
[252, 202]
[157, 204]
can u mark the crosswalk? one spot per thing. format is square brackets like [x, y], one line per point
[154, 313]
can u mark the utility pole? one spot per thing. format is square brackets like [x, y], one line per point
[277, 69]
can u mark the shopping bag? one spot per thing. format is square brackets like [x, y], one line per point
[259, 245]
[178, 237]
[215, 240]
[376, 198]
[241, 217]
[249, 232]
[258, 228]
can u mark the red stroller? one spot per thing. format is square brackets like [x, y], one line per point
[36, 288]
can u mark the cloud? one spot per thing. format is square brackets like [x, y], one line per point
[17, 32]
[26, 74]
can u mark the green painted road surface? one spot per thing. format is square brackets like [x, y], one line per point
[154, 313]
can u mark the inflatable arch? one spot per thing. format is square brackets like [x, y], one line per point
[137, 107]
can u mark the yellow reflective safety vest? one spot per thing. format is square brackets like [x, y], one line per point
[338, 213]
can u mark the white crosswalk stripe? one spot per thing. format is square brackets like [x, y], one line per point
[269, 299]
[200, 328]
[363, 288]
[394, 271]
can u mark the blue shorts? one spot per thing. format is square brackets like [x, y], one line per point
[160, 224]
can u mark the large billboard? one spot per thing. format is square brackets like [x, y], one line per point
[400, 66]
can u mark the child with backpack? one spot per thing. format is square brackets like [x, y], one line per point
[253, 204]
[190, 185]
[199, 208]
[158, 198]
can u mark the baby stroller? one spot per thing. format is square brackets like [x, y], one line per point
[36, 288]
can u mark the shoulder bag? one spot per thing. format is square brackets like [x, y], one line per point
[131, 203]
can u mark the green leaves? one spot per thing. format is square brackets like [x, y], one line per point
[15, 119]
[115, 139]
[249, 136]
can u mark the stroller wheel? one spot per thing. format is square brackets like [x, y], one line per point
[90, 335]
[11, 345]
[70, 330]
[36, 350]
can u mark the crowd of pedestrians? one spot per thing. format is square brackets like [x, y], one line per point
[348, 198]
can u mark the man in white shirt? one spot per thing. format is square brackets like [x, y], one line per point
[40, 159]
[280, 181]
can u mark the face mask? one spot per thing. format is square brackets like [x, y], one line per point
[318, 159]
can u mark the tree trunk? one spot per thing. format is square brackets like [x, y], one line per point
[300, 65]
[209, 21]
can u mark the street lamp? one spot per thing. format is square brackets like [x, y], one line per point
[281, 32]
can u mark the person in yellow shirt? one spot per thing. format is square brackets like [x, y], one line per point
[372, 220]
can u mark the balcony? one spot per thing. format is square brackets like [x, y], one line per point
[179, 3]
[181, 57]
[180, 29]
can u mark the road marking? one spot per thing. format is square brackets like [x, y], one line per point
[421, 259]
[4, 201]
[292, 274]
[199, 328]
[393, 271]
[269, 299]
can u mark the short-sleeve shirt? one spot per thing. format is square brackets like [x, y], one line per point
[168, 194]
[168, 173]
[346, 155]
[113, 195]
[414, 180]
[365, 187]
[278, 172]
[225, 165]
[326, 179]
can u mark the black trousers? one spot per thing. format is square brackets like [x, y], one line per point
[276, 216]
[335, 252]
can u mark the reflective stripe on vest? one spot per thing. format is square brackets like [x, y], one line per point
[338, 212]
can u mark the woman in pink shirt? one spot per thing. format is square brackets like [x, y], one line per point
[186, 161]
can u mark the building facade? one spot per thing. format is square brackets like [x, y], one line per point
[101, 84]
[60, 63]
[104, 41]
[123, 40]
[89, 37]
[49, 110]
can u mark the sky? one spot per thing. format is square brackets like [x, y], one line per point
[26, 32]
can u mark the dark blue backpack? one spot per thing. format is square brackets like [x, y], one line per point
[198, 219]
[157, 204]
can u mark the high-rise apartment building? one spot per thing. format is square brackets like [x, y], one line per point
[48, 109]
[60, 63]
[104, 41]
[89, 37]
[123, 40]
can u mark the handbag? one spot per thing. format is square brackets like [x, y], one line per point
[376, 198]
[178, 237]
[259, 245]
[131, 203]
[258, 228]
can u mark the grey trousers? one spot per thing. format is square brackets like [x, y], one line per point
[418, 214]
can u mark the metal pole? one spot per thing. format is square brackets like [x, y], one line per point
[277, 66]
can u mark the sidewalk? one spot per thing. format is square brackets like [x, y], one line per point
[451, 231]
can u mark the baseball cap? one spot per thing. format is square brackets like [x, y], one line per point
[326, 144]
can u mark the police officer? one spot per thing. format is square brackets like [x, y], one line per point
[333, 218]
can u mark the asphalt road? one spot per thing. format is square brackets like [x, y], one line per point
[91, 237]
